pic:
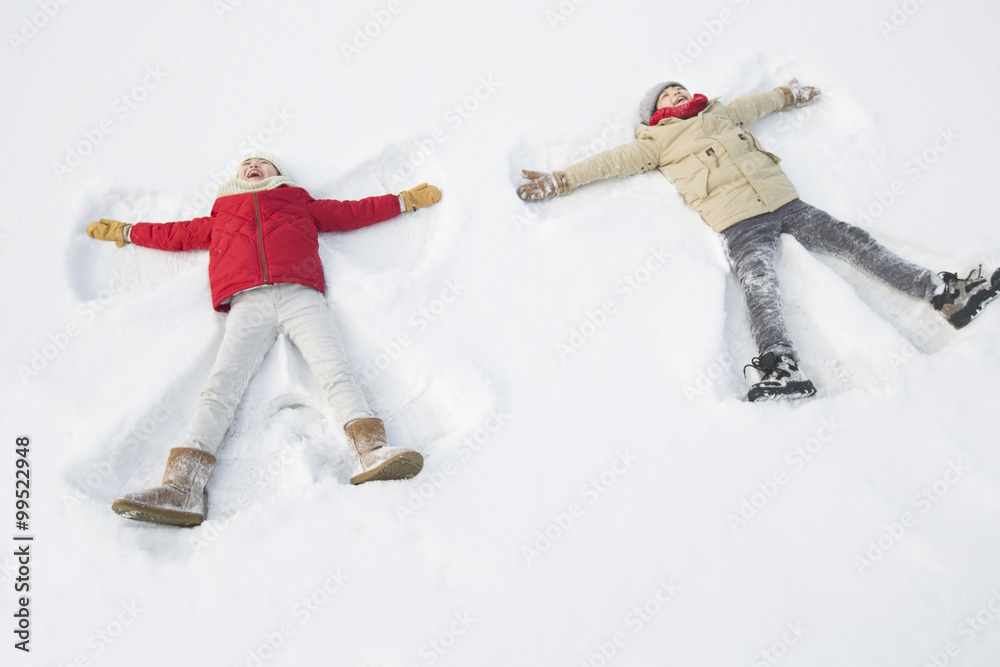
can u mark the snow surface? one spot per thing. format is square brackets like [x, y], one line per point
[575, 509]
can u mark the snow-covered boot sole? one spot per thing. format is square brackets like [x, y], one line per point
[137, 511]
[781, 379]
[376, 459]
[181, 500]
[975, 306]
[761, 392]
[964, 298]
[399, 464]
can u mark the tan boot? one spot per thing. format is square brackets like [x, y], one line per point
[181, 499]
[376, 459]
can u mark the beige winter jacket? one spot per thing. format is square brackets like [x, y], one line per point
[714, 162]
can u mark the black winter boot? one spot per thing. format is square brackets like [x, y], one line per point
[964, 298]
[781, 379]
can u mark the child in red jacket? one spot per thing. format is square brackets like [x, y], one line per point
[265, 271]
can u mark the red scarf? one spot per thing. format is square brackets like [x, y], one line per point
[682, 111]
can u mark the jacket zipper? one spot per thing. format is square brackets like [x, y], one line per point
[260, 239]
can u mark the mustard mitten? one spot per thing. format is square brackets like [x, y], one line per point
[109, 230]
[420, 196]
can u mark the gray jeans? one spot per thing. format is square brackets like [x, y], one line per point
[257, 317]
[751, 246]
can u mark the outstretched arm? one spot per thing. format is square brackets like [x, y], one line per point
[186, 235]
[793, 94]
[339, 216]
[625, 160]
[334, 215]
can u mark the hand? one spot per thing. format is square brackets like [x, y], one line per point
[796, 94]
[420, 196]
[542, 186]
[109, 230]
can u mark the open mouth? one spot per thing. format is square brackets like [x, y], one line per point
[253, 172]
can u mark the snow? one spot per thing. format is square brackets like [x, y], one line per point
[620, 504]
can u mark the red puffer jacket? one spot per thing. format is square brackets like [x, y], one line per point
[266, 237]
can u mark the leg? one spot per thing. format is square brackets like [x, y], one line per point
[251, 330]
[181, 499]
[751, 246]
[817, 230]
[307, 321]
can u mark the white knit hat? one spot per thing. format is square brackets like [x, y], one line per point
[261, 155]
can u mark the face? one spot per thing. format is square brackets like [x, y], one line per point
[672, 96]
[255, 169]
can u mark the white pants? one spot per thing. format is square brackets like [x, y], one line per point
[256, 318]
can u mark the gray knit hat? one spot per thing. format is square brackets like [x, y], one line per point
[647, 106]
